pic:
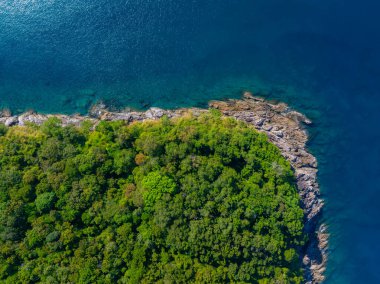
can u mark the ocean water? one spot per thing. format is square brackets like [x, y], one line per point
[322, 57]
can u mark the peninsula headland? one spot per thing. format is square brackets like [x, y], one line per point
[284, 127]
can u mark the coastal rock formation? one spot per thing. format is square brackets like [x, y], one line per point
[5, 113]
[283, 126]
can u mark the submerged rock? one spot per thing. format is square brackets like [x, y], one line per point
[98, 109]
[5, 113]
[83, 103]
[87, 92]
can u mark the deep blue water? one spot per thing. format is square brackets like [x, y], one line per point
[322, 57]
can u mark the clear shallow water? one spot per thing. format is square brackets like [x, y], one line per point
[322, 57]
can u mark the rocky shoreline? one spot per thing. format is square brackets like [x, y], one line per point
[284, 128]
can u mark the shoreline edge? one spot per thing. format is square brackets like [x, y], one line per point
[284, 127]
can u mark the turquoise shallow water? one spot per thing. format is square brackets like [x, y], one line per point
[321, 57]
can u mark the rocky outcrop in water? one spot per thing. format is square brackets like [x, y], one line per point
[283, 126]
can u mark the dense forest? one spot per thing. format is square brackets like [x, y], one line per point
[189, 200]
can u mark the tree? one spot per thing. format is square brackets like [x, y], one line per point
[154, 186]
[185, 200]
[44, 201]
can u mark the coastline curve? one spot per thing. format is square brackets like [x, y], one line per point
[284, 128]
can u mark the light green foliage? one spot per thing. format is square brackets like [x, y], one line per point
[155, 185]
[191, 200]
[44, 201]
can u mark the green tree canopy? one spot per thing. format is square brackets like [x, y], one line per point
[189, 200]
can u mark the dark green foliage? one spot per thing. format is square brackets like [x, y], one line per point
[3, 129]
[192, 200]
